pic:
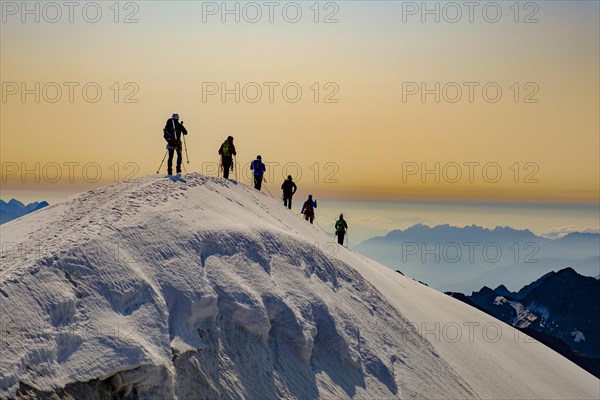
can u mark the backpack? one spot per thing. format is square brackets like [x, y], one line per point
[225, 151]
[170, 131]
[339, 226]
[168, 135]
[308, 207]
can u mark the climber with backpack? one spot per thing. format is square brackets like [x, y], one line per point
[289, 189]
[308, 209]
[227, 151]
[259, 170]
[341, 227]
[172, 134]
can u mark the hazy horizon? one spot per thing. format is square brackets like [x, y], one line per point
[371, 218]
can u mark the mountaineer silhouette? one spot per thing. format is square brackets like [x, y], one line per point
[259, 170]
[172, 133]
[289, 189]
[227, 151]
[341, 227]
[308, 209]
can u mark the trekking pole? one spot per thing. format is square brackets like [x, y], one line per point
[268, 191]
[347, 238]
[163, 160]
[235, 168]
[186, 153]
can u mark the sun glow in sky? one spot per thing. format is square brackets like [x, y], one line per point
[356, 99]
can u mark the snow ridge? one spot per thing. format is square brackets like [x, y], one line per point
[196, 289]
[203, 288]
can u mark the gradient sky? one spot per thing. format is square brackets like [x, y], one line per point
[367, 137]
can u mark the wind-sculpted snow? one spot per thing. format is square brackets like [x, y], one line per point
[203, 288]
[156, 288]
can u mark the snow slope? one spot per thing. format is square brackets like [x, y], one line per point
[202, 288]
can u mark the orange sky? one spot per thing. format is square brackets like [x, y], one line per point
[371, 138]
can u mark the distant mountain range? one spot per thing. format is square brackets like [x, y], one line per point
[560, 309]
[464, 259]
[15, 209]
